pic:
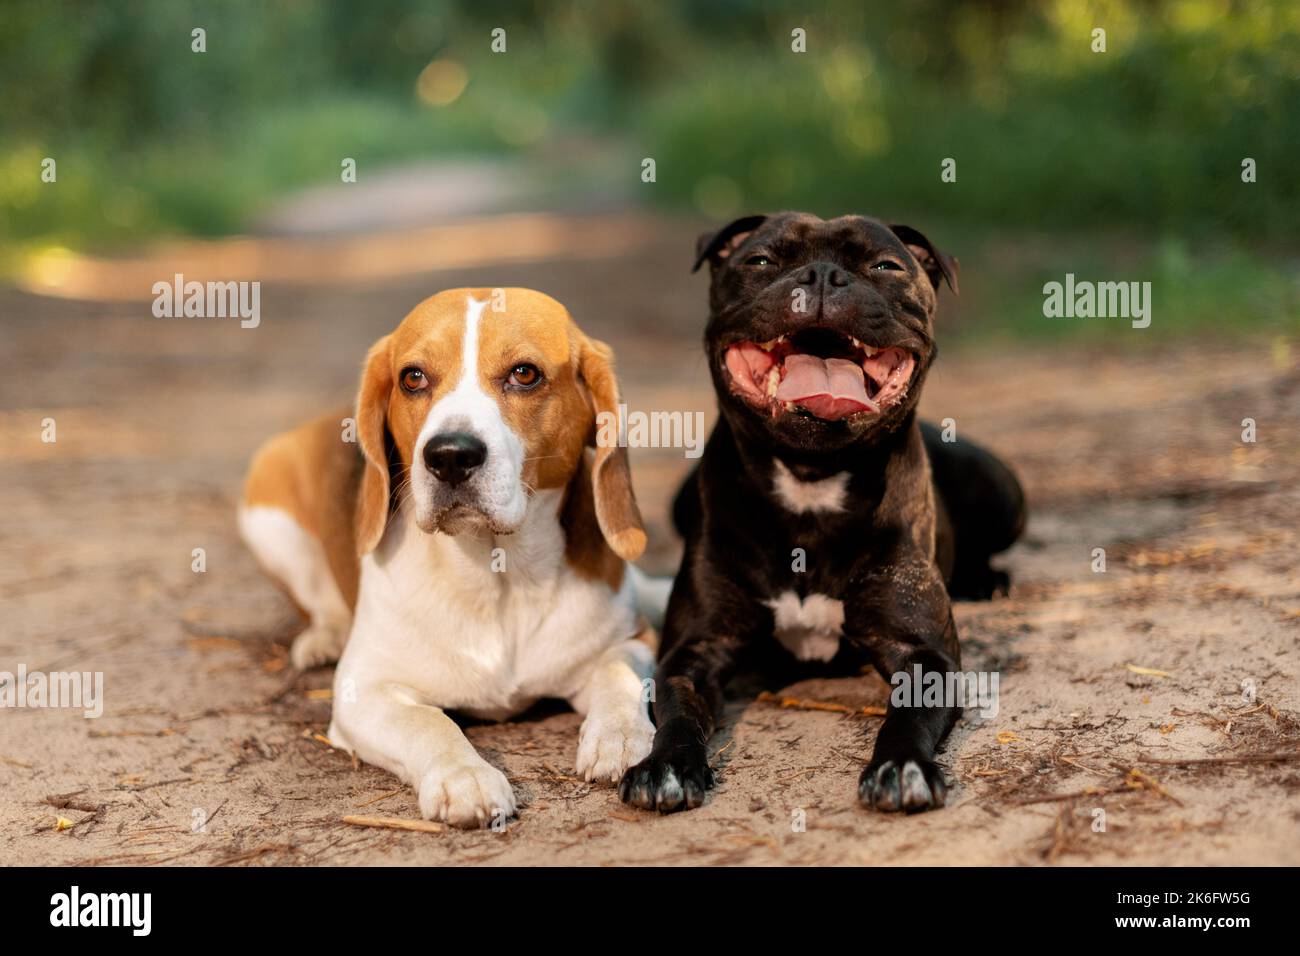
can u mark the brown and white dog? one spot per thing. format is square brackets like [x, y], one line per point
[470, 543]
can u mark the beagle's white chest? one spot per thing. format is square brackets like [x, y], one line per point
[435, 616]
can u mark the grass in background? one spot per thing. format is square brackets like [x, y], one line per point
[1216, 290]
[1119, 165]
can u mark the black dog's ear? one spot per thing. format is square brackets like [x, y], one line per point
[939, 266]
[716, 246]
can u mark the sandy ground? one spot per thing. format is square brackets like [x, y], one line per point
[1129, 448]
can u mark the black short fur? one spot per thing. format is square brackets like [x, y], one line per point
[917, 522]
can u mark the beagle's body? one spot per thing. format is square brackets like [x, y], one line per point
[470, 544]
[298, 517]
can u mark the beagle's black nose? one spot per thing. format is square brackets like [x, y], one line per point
[453, 456]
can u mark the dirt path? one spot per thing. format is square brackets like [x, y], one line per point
[1132, 450]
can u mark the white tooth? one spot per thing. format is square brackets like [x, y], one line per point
[773, 381]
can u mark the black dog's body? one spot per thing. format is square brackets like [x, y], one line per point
[979, 512]
[790, 519]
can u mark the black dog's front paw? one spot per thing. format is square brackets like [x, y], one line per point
[667, 781]
[910, 785]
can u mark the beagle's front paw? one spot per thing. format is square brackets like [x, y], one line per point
[466, 793]
[610, 743]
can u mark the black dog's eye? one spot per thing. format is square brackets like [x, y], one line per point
[414, 380]
[759, 260]
[525, 375]
[888, 265]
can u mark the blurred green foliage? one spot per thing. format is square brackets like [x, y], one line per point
[1146, 139]
[1046, 133]
[1216, 289]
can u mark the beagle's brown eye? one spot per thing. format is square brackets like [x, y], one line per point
[525, 375]
[414, 380]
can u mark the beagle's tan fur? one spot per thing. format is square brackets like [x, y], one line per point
[479, 590]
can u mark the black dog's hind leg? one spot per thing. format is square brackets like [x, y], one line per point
[915, 637]
[985, 506]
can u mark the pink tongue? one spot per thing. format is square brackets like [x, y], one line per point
[829, 388]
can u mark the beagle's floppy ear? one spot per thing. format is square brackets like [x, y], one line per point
[939, 266]
[611, 477]
[372, 428]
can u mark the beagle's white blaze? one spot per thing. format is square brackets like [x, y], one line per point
[495, 487]
[800, 496]
[810, 628]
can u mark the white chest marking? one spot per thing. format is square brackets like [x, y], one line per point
[437, 614]
[810, 628]
[800, 496]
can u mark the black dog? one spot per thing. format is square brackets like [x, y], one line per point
[823, 523]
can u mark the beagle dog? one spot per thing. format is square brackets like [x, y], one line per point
[468, 551]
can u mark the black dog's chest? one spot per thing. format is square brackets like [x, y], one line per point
[794, 539]
[810, 626]
[806, 560]
[807, 594]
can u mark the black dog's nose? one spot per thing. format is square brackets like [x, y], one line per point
[823, 273]
[453, 456]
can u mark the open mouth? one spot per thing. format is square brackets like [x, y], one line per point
[821, 372]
